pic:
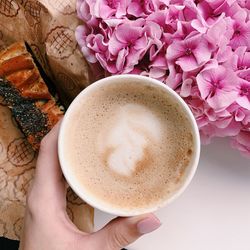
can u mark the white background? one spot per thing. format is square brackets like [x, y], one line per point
[212, 214]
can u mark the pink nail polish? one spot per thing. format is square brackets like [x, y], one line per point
[148, 225]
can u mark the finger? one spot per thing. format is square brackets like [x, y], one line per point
[121, 232]
[48, 171]
[48, 191]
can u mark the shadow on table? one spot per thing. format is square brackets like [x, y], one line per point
[229, 160]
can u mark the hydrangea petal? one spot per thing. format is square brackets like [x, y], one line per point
[187, 63]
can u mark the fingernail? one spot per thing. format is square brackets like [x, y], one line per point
[148, 225]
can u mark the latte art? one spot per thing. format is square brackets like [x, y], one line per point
[128, 145]
[127, 142]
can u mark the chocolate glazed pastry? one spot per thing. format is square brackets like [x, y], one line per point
[25, 92]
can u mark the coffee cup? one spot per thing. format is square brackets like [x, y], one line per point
[128, 145]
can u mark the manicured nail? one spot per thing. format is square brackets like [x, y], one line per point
[148, 225]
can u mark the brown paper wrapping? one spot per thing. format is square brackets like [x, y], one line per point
[48, 27]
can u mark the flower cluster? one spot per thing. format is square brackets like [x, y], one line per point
[200, 48]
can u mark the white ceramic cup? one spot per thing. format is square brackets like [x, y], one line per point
[91, 199]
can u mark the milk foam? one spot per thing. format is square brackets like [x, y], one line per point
[128, 140]
[128, 145]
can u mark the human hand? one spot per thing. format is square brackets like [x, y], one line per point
[47, 225]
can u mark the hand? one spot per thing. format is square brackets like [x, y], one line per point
[47, 225]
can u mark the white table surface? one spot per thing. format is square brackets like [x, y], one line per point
[212, 214]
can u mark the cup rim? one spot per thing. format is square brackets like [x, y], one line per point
[96, 203]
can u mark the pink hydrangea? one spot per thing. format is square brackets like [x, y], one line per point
[218, 87]
[191, 53]
[200, 48]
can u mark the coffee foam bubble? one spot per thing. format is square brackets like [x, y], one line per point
[127, 141]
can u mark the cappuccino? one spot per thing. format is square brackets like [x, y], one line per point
[128, 144]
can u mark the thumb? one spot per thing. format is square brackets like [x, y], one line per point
[121, 232]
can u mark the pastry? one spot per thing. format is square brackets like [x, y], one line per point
[25, 92]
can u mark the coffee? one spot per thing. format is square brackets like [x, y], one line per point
[128, 144]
